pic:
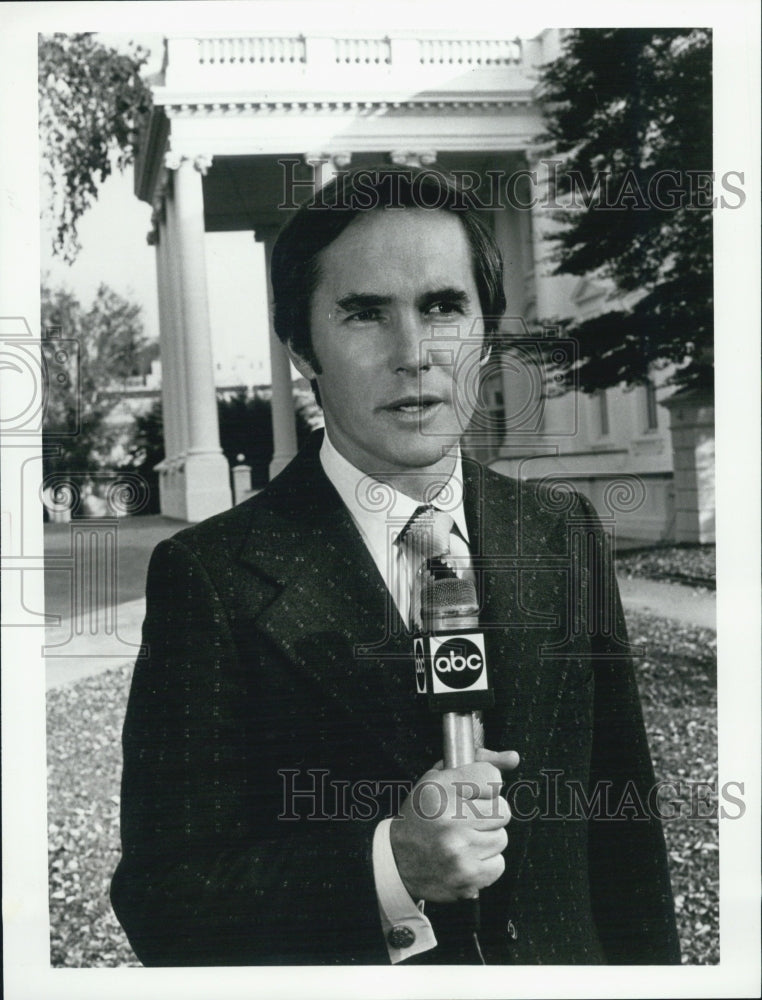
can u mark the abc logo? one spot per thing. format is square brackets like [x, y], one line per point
[458, 663]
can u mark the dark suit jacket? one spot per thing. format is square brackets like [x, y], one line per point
[277, 663]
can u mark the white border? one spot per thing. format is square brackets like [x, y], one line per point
[736, 25]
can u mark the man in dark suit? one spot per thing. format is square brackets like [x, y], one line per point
[282, 801]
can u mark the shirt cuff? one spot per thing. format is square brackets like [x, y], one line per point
[407, 931]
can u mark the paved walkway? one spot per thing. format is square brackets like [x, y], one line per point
[687, 605]
[94, 654]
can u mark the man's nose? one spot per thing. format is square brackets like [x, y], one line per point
[410, 347]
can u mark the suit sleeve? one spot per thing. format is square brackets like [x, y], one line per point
[209, 874]
[629, 874]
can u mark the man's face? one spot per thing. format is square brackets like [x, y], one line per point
[390, 284]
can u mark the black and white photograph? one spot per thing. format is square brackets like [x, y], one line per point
[380, 442]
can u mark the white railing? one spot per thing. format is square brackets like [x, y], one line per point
[252, 49]
[363, 51]
[219, 62]
[469, 52]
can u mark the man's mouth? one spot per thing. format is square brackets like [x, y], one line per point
[414, 404]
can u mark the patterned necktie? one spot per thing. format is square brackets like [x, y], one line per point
[426, 542]
[425, 539]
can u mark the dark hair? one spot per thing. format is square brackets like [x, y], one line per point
[295, 270]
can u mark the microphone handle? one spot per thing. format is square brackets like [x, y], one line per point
[458, 733]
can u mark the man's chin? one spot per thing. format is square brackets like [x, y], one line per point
[426, 455]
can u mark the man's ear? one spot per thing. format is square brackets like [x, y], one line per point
[301, 364]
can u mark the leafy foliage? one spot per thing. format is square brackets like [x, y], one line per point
[91, 99]
[246, 427]
[146, 451]
[693, 565]
[629, 116]
[105, 344]
[677, 679]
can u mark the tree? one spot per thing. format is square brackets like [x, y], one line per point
[629, 115]
[91, 99]
[146, 451]
[246, 427]
[100, 347]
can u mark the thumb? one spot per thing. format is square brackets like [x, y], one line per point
[504, 760]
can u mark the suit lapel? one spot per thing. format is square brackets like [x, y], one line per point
[333, 616]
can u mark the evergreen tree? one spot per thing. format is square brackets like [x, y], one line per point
[629, 117]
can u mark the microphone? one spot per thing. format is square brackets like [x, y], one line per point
[457, 664]
[451, 671]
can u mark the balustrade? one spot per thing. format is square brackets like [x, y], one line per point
[252, 49]
[265, 51]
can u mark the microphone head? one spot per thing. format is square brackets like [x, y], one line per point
[448, 597]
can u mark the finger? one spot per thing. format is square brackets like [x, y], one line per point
[491, 844]
[504, 760]
[483, 814]
[492, 814]
[479, 779]
[490, 870]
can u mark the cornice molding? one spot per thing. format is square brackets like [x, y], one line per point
[205, 108]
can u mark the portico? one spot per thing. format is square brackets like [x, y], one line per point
[245, 127]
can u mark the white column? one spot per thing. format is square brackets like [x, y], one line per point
[519, 229]
[284, 418]
[169, 417]
[541, 224]
[168, 500]
[206, 474]
[325, 166]
[177, 377]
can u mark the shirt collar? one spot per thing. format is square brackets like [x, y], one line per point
[370, 502]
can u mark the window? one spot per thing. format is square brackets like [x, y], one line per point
[651, 413]
[603, 412]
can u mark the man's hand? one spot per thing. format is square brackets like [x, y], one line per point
[449, 837]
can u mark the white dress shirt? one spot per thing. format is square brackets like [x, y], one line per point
[380, 513]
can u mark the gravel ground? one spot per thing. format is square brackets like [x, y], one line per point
[677, 681]
[693, 565]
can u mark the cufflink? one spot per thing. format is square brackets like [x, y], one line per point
[401, 936]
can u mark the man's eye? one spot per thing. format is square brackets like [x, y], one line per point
[445, 309]
[366, 316]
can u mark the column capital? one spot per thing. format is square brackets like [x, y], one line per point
[409, 158]
[338, 160]
[201, 161]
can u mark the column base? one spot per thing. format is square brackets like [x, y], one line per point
[692, 428]
[200, 488]
[172, 488]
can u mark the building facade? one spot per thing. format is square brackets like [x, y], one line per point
[244, 127]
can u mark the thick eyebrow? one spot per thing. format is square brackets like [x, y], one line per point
[454, 296]
[357, 301]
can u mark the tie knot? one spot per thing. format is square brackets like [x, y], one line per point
[427, 532]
